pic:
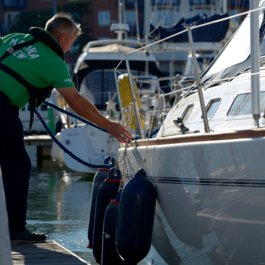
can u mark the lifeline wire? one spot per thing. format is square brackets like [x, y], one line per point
[185, 30]
[65, 149]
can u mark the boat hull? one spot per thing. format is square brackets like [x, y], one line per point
[87, 143]
[211, 197]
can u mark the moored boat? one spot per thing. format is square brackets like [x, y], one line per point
[95, 79]
[207, 161]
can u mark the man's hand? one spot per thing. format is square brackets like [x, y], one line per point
[119, 132]
[87, 110]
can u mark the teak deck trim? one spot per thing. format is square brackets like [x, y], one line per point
[190, 138]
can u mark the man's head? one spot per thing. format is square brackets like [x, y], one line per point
[64, 29]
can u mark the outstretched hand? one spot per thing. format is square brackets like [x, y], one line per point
[120, 132]
[87, 110]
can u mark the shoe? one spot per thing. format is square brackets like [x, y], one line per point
[26, 236]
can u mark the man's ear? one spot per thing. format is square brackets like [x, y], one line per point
[61, 38]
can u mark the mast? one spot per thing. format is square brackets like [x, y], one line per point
[147, 16]
[121, 28]
[137, 20]
[255, 61]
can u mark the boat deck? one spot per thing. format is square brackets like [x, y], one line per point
[42, 254]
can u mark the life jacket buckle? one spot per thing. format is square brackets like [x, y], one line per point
[10, 50]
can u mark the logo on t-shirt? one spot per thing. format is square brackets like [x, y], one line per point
[28, 52]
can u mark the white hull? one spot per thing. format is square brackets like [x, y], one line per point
[87, 143]
[211, 198]
[37, 127]
[207, 162]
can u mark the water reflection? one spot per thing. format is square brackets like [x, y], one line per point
[59, 205]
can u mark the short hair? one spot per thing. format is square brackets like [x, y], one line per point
[62, 23]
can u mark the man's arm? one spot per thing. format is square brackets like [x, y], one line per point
[87, 110]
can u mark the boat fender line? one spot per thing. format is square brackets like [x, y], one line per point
[100, 176]
[110, 255]
[78, 117]
[108, 161]
[107, 190]
[136, 218]
[73, 115]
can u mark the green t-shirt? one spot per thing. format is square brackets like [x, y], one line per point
[38, 64]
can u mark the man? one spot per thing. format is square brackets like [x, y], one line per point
[30, 66]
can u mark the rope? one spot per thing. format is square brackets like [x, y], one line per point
[128, 168]
[109, 161]
[73, 115]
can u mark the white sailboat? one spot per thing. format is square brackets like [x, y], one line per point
[37, 127]
[208, 169]
[94, 77]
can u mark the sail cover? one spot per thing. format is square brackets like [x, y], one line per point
[235, 56]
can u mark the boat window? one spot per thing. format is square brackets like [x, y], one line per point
[147, 84]
[212, 106]
[99, 86]
[185, 115]
[242, 104]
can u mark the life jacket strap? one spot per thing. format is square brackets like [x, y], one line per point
[36, 96]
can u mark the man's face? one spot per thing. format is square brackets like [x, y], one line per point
[66, 40]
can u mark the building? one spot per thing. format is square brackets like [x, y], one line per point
[103, 13]
[99, 18]
[138, 14]
[9, 9]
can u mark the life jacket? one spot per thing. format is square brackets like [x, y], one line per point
[36, 95]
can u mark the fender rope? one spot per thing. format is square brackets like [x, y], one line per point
[82, 119]
[73, 115]
[109, 161]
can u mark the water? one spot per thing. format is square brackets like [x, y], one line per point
[59, 205]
